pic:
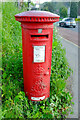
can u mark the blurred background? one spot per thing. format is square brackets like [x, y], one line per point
[64, 9]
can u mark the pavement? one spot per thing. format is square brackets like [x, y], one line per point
[72, 82]
[70, 41]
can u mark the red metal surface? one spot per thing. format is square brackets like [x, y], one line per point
[36, 16]
[36, 74]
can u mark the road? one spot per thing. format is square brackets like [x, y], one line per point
[71, 28]
[71, 34]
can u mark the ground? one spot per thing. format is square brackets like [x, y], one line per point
[70, 40]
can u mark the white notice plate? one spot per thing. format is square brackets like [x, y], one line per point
[38, 98]
[39, 54]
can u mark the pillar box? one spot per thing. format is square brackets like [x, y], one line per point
[37, 37]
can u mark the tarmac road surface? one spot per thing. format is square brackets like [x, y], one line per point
[69, 33]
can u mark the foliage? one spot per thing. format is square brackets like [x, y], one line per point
[67, 4]
[73, 10]
[48, 6]
[77, 19]
[63, 12]
[79, 8]
[54, 6]
[15, 104]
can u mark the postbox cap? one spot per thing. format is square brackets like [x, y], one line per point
[37, 16]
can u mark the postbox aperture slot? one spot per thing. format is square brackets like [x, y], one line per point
[40, 36]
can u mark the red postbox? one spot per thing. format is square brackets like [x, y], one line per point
[37, 37]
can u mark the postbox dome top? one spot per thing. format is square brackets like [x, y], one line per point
[37, 16]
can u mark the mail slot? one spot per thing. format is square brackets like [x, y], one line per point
[40, 37]
[37, 37]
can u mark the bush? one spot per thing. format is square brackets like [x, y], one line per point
[15, 104]
[63, 12]
[77, 19]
